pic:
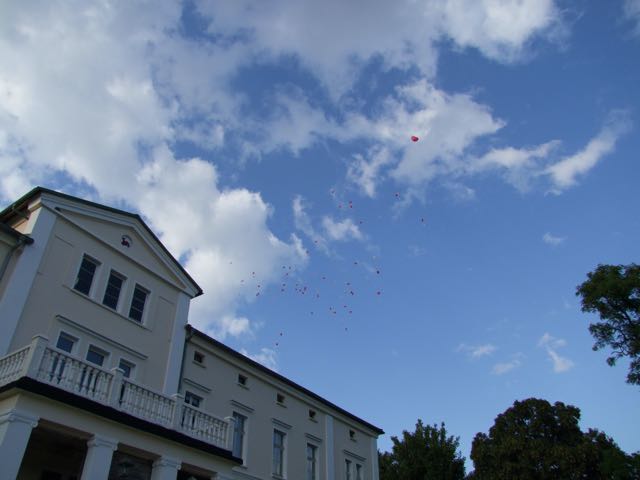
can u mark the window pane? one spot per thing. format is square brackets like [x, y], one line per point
[112, 292]
[65, 343]
[278, 452]
[95, 356]
[192, 399]
[137, 303]
[85, 275]
[126, 367]
[312, 451]
[238, 434]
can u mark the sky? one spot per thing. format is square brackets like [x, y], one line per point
[269, 145]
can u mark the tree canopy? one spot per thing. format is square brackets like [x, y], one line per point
[536, 440]
[426, 454]
[613, 291]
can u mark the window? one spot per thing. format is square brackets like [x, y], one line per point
[242, 380]
[280, 398]
[312, 414]
[96, 355]
[278, 453]
[198, 357]
[347, 469]
[126, 367]
[112, 292]
[192, 399]
[352, 435]
[238, 434]
[358, 471]
[312, 462]
[86, 274]
[137, 303]
[66, 342]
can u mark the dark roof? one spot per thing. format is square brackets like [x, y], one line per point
[281, 378]
[22, 201]
[15, 234]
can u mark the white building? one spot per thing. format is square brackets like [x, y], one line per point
[101, 377]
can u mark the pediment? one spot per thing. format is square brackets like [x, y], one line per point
[128, 236]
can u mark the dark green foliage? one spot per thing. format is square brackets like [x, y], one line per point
[426, 454]
[613, 291]
[536, 440]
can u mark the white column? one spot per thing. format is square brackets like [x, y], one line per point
[374, 459]
[331, 464]
[176, 346]
[15, 295]
[15, 430]
[165, 468]
[97, 463]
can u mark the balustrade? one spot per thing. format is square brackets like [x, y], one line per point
[62, 370]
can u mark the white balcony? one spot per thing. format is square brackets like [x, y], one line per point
[59, 369]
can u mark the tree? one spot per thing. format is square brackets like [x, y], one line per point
[426, 454]
[613, 291]
[536, 440]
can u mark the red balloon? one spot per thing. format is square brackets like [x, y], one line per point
[414, 138]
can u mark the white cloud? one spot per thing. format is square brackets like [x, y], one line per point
[632, 12]
[520, 165]
[565, 173]
[341, 230]
[500, 29]
[506, 367]
[551, 344]
[552, 240]
[266, 356]
[367, 173]
[476, 351]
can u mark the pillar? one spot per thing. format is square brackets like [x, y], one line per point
[15, 430]
[97, 463]
[165, 468]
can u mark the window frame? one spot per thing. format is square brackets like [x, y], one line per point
[278, 459]
[99, 351]
[147, 292]
[74, 341]
[242, 431]
[348, 469]
[131, 365]
[189, 394]
[196, 354]
[122, 287]
[312, 462]
[94, 274]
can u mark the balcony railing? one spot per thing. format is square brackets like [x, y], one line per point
[57, 368]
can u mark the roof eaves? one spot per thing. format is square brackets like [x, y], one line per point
[282, 378]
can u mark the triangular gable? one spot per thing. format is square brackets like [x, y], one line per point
[119, 229]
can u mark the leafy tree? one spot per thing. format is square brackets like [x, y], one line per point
[426, 454]
[536, 440]
[613, 291]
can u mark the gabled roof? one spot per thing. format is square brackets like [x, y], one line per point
[22, 203]
[280, 378]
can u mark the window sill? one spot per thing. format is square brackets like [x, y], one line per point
[108, 309]
[242, 386]
[201, 365]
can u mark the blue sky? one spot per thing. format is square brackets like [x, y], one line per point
[269, 145]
